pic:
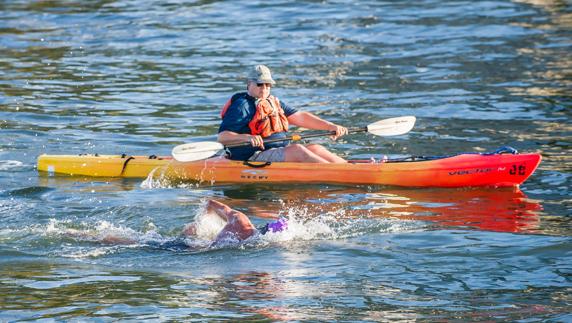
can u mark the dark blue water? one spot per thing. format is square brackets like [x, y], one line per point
[139, 77]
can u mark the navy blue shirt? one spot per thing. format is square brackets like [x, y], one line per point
[236, 119]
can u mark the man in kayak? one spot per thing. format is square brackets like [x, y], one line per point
[255, 115]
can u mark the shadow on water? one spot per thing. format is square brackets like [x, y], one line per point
[27, 192]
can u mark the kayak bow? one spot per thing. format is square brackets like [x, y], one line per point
[495, 169]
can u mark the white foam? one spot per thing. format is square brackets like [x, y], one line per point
[154, 181]
[208, 225]
[303, 226]
[10, 165]
[102, 231]
[82, 253]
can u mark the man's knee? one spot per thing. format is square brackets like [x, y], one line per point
[298, 150]
[300, 153]
[315, 147]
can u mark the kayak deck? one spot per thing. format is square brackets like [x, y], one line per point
[497, 170]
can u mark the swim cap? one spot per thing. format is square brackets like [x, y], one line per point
[275, 226]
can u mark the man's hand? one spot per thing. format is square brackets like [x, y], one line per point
[340, 131]
[256, 141]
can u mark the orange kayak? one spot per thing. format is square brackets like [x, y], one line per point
[498, 170]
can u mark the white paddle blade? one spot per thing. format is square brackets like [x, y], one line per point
[196, 150]
[392, 126]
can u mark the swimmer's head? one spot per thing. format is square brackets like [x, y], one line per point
[275, 226]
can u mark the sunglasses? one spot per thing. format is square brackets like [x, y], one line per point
[263, 84]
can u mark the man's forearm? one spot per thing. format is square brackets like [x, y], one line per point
[308, 120]
[218, 208]
[229, 137]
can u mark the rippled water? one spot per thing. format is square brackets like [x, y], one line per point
[139, 77]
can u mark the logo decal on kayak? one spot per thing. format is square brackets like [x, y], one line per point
[471, 171]
[253, 174]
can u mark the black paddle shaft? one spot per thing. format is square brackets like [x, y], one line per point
[298, 137]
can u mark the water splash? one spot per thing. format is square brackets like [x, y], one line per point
[88, 239]
[155, 181]
[305, 225]
[161, 177]
[157, 178]
[103, 232]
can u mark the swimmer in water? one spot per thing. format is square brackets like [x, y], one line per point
[238, 228]
[238, 225]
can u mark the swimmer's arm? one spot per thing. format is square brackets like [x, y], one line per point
[111, 239]
[108, 238]
[235, 220]
[220, 209]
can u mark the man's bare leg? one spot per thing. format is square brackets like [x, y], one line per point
[325, 154]
[300, 154]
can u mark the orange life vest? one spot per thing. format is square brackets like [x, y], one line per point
[268, 119]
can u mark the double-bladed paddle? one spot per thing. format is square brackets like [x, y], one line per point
[205, 149]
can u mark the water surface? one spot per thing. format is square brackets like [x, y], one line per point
[139, 77]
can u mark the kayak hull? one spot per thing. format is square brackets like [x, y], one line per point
[499, 170]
